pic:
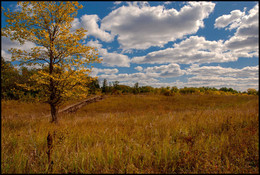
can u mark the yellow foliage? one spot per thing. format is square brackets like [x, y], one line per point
[58, 51]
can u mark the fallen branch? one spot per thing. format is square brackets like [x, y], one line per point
[75, 107]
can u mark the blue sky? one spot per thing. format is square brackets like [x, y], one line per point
[162, 43]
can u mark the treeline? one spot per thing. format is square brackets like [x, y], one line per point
[11, 77]
[115, 88]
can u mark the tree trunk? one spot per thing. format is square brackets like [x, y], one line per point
[54, 114]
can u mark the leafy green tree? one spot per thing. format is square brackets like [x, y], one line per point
[146, 89]
[125, 89]
[136, 89]
[174, 89]
[105, 87]
[225, 89]
[94, 86]
[115, 85]
[252, 91]
[9, 77]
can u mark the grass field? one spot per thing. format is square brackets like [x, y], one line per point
[135, 134]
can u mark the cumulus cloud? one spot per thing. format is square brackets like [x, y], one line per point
[191, 50]
[110, 59]
[211, 76]
[212, 71]
[117, 2]
[90, 23]
[238, 42]
[250, 30]
[167, 2]
[170, 70]
[6, 55]
[141, 26]
[139, 68]
[197, 49]
[96, 71]
[37, 66]
[245, 42]
[129, 79]
[149, 76]
[217, 76]
[18, 8]
[7, 44]
[241, 84]
[233, 19]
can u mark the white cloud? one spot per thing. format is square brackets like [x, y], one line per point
[252, 17]
[7, 44]
[110, 59]
[149, 76]
[129, 79]
[75, 24]
[141, 26]
[211, 76]
[250, 30]
[170, 70]
[199, 50]
[89, 22]
[238, 42]
[233, 19]
[37, 66]
[139, 68]
[96, 71]
[6, 55]
[211, 71]
[191, 50]
[167, 2]
[115, 59]
[177, 83]
[18, 8]
[245, 42]
[241, 84]
[117, 2]
[216, 76]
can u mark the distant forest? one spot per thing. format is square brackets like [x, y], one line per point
[11, 77]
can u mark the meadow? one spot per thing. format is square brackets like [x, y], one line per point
[135, 134]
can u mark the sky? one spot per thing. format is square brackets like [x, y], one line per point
[169, 43]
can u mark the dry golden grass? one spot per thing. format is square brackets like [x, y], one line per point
[136, 134]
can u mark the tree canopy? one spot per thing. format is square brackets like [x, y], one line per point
[58, 49]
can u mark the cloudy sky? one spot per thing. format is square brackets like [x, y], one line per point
[162, 43]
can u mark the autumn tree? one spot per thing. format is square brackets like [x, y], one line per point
[252, 91]
[58, 50]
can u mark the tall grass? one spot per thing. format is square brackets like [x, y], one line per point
[136, 134]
